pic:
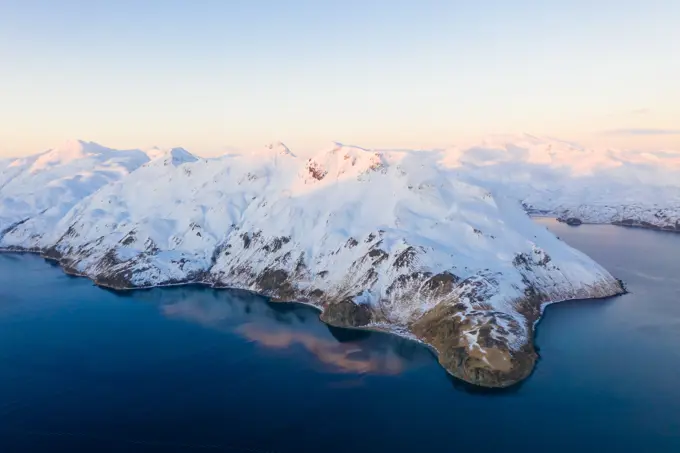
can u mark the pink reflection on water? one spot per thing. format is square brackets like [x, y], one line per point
[334, 356]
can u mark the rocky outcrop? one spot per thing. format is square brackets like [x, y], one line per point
[573, 221]
[347, 313]
[469, 350]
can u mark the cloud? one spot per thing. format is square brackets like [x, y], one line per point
[643, 131]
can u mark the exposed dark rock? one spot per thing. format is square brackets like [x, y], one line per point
[316, 170]
[151, 247]
[378, 255]
[544, 260]
[275, 282]
[346, 313]
[573, 221]
[441, 328]
[370, 278]
[317, 293]
[405, 258]
[441, 284]
[521, 260]
[649, 225]
[624, 222]
[52, 253]
[114, 279]
[129, 238]
[377, 163]
[530, 305]
[276, 244]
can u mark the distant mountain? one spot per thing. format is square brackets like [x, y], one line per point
[567, 180]
[393, 240]
[38, 190]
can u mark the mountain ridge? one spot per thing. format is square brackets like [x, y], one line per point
[390, 240]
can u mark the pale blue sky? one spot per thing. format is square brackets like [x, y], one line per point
[209, 74]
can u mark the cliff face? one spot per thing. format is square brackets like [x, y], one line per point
[382, 240]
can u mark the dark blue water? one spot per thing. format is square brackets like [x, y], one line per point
[193, 369]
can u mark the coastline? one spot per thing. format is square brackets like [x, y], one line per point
[642, 226]
[526, 351]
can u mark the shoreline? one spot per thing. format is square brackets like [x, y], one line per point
[399, 331]
[556, 218]
[617, 223]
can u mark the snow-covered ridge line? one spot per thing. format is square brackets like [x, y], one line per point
[562, 179]
[373, 238]
[549, 176]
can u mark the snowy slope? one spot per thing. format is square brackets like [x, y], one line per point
[431, 244]
[566, 179]
[392, 240]
[37, 191]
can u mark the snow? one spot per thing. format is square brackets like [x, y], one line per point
[377, 227]
[176, 215]
[565, 179]
[549, 176]
[456, 207]
[40, 189]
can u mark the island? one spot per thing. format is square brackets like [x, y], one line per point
[385, 240]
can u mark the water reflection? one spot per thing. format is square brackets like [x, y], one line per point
[348, 335]
[289, 328]
[334, 356]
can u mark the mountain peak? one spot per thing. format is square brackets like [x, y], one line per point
[74, 147]
[338, 146]
[155, 152]
[280, 148]
[68, 151]
[73, 144]
[181, 156]
[170, 156]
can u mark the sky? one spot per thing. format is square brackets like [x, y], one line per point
[213, 75]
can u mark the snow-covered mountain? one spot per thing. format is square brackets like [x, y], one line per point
[38, 190]
[393, 240]
[567, 180]
[430, 244]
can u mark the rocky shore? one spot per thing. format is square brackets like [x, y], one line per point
[473, 342]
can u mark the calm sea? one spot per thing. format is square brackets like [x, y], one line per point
[193, 369]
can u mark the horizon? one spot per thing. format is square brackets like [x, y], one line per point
[488, 142]
[378, 74]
